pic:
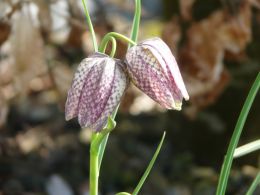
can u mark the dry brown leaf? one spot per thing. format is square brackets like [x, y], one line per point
[202, 55]
[75, 37]
[5, 30]
[255, 3]
[3, 109]
[27, 50]
[186, 9]
[172, 34]
[62, 76]
[44, 16]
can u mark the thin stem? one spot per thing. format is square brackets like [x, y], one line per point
[95, 152]
[102, 48]
[136, 22]
[222, 185]
[254, 184]
[94, 168]
[113, 50]
[107, 38]
[90, 26]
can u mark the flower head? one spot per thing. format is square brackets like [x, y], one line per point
[96, 90]
[153, 69]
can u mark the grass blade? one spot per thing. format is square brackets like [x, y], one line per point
[150, 166]
[254, 185]
[226, 166]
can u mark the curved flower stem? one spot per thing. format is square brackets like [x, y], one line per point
[107, 37]
[90, 26]
[113, 51]
[225, 170]
[136, 22]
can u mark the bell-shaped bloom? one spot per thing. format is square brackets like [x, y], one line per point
[96, 90]
[153, 69]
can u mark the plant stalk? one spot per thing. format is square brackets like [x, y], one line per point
[90, 26]
[108, 36]
[136, 22]
[94, 168]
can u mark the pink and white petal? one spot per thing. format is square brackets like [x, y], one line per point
[164, 69]
[72, 103]
[120, 84]
[71, 106]
[145, 71]
[96, 92]
[170, 66]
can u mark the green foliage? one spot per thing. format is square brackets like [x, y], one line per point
[223, 180]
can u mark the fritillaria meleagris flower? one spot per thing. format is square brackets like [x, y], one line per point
[96, 90]
[153, 69]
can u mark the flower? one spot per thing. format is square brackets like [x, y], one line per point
[96, 90]
[153, 69]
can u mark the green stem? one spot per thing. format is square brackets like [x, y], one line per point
[136, 22]
[222, 185]
[90, 26]
[104, 46]
[94, 168]
[254, 185]
[113, 50]
[95, 152]
[107, 37]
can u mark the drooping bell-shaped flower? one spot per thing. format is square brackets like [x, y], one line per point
[96, 90]
[153, 69]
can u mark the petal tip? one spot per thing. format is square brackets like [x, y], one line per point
[68, 117]
[177, 105]
[186, 97]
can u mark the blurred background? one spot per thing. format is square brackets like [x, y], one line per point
[217, 46]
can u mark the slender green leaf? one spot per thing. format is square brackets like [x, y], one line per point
[111, 124]
[150, 166]
[254, 185]
[226, 166]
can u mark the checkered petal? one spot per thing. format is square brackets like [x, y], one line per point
[118, 87]
[154, 70]
[96, 91]
[72, 103]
